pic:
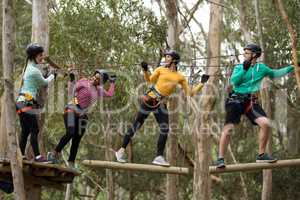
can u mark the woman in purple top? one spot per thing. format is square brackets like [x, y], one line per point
[85, 93]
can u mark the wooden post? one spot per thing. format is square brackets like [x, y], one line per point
[40, 34]
[172, 181]
[8, 47]
[266, 193]
[109, 156]
[202, 134]
[3, 135]
[35, 190]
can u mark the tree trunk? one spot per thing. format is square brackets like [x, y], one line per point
[243, 182]
[172, 183]
[33, 191]
[68, 195]
[109, 156]
[40, 24]
[40, 34]
[172, 19]
[266, 104]
[243, 21]
[293, 38]
[3, 136]
[8, 47]
[202, 184]
[130, 176]
[2, 196]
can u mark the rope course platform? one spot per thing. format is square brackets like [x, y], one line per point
[239, 167]
[49, 175]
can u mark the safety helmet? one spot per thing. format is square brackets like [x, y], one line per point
[174, 54]
[33, 50]
[103, 73]
[254, 48]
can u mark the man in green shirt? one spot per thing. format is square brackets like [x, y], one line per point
[246, 81]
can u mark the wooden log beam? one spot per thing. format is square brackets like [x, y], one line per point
[255, 166]
[136, 167]
[244, 167]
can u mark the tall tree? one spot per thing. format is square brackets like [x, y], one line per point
[8, 47]
[293, 38]
[266, 193]
[108, 156]
[201, 185]
[3, 135]
[40, 34]
[243, 21]
[172, 147]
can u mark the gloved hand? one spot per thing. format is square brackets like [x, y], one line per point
[204, 78]
[246, 65]
[72, 77]
[54, 72]
[112, 78]
[144, 65]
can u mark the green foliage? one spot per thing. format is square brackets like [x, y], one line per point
[118, 35]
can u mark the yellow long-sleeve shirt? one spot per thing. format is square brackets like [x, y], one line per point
[165, 82]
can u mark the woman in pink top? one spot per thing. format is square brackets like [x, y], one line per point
[85, 93]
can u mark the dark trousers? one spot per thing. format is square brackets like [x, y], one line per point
[162, 117]
[29, 126]
[75, 128]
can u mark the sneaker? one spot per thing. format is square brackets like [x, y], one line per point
[41, 159]
[160, 160]
[221, 163]
[52, 158]
[265, 158]
[120, 156]
[72, 166]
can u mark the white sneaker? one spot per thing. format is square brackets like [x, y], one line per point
[120, 156]
[160, 160]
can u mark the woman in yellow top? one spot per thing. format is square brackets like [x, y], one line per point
[164, 81]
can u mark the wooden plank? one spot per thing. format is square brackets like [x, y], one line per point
[49, 175]
[244, 167]
[44, 172]
[44, 165]
[51, 166]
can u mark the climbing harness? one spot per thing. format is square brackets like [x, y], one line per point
[74, 107]
[150, 101]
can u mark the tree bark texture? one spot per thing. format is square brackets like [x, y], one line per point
[8, 47]
[202, 183]
[172, 183]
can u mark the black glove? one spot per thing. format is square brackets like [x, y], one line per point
[72, 77]
[112, 78]
[144, 65]
[204, 78]
[246, 65]
[53, 71]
